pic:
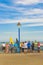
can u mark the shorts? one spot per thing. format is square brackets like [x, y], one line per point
[38, 48]
[25, 48]
[3, 48]
[28, 47]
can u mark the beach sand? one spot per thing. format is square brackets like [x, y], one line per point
[22, 59]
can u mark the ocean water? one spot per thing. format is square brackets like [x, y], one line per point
[41, 47]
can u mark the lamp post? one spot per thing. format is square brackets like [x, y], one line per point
[19, 32]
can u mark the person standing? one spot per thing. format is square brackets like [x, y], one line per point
[35, 45]
[25, 47]
[32, 46]
[22, 46]
[28, 46]
[7, 48]
[38, 45]
[11, 47]
[3, 47]
[17, 46]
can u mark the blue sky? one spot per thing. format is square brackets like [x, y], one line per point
[28, 12]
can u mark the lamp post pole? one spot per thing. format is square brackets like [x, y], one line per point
[19, 32]
[19, 35]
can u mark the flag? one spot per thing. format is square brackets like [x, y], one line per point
[11, 40]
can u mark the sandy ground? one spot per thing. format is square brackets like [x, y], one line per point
[22, 59]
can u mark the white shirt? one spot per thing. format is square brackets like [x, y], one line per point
[3, 45]
[25, 45]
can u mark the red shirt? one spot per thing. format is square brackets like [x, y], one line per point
[38, 44]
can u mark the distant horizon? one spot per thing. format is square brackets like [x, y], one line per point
[22, 41]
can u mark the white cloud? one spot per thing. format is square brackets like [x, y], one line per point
[23, 20]
[24, 12]
[32, 20]
[31, 25]
[26, 32]
[35, 11]
[41, 1]
[12, 8]
[31, 11]
[3, 5]
[26, 2]
[6, 6]
[5, 21]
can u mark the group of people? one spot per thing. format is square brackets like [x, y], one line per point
[30, 47]
[22, 47]
[11, 47]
